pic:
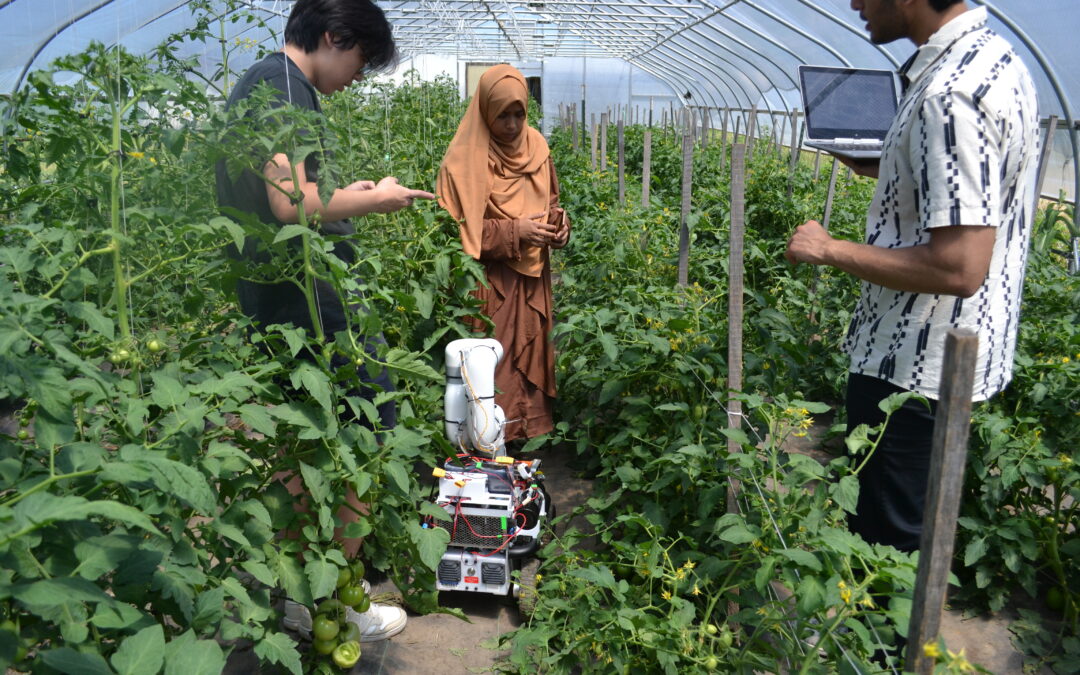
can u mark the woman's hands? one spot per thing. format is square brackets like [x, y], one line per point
[536, 231]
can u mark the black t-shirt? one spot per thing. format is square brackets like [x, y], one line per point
[281, 302]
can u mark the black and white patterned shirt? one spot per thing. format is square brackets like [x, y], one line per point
[963, 150]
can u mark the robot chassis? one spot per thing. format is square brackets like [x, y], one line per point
[497, 505]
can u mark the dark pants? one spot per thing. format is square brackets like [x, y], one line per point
[892, 485]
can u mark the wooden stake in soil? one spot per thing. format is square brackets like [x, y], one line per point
[830, 194]
[1044, 156]
[952, 425]
[604, 121]
[705, 124]
[751, 129]
[646, 168]
[794, 152]
[817, 164]
[735, 289]
[684, 229]
[622, 164]
[574, 127]
[723, 136]
[735, 320]
[594, 140]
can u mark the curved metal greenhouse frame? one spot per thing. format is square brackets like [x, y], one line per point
[724, 53]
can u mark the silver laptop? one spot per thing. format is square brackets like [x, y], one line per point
[848, 110]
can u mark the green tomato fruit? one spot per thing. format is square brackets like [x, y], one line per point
[347, 654]
[22, 434]
[1055, 599]
[344, 576]
[120, 356]
[325, 646]
[325, 628]
[364, 605]
[726, 638]
[352, 633]
[352, 595]
[155, 346]
[331, 606]
[711, 628]
[358, 570]
[711, 663]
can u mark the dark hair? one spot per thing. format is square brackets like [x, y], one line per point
[942, 5]
[351, 22]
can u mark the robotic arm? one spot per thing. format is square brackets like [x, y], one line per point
[473, 420]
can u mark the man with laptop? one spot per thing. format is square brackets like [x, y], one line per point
[946, 238]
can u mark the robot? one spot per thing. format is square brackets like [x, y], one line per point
[497, 506]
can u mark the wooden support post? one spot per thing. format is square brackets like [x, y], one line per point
[684, 228]
[777, 133]
[735, 289]
[705, 124]
[751, 129]
[622, 163]
[650, 111]
[723, 136]
[604, 121]
[830, 194]
[574, 128]
[952, 425]
[794, 156]
[594, 141]
[817, 164]
[735, 320]
[1044, 156]
[646, 168]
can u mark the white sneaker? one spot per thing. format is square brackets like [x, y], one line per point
[298, 617]
[378, 623]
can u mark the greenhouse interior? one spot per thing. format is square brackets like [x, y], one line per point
[607, 336]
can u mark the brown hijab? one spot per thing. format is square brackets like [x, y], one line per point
[481, 177]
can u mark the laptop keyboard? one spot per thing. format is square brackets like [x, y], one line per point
[853, 146]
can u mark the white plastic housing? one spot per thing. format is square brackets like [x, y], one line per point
[472, 418]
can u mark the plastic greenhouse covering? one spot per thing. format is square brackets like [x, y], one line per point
[706, 54]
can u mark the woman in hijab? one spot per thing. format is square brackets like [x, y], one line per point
[498, 181]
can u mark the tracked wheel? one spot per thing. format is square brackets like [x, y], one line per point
[526, 592]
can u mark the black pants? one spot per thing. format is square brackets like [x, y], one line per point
[892, 485]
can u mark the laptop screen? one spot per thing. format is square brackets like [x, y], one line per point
[847, 102]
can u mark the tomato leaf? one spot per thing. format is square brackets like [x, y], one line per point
[143, 653]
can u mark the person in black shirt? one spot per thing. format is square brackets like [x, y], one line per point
[329, 44]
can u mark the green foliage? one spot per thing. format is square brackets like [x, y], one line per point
[142, 500]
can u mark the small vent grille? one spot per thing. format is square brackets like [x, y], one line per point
[449, 572]
[476, 531]
[493, 573]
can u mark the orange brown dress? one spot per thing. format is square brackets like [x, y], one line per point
[490, 188]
